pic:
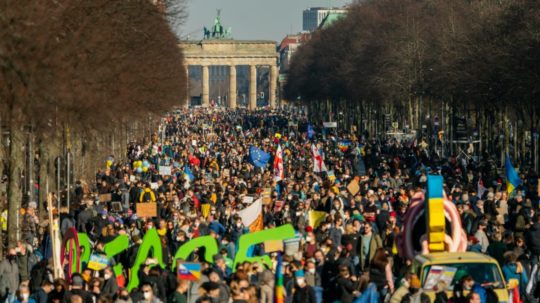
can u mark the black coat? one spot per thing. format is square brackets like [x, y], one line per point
[304, 295]
[344, 289]
[532, 238]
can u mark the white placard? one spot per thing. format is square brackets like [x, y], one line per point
[165, 170]
[330, 124]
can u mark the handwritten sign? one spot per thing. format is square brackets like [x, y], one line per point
[145, 210]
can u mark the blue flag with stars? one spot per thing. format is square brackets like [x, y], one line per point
[258, 157]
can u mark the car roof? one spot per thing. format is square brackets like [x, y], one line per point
[454, 257]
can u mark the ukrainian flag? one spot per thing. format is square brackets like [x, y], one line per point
[512, 178]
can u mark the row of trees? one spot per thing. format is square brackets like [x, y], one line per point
[80, 78]
[414, 60]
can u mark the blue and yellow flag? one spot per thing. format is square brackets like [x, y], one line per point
[512, 178]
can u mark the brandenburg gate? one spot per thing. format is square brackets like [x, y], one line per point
[218, 49]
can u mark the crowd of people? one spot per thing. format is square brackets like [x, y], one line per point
[352, 252]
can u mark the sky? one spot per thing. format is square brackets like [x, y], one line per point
[251, 19]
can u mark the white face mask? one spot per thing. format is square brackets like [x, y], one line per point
[25, 297]
[311, 270]
[147, 295]
[107, 276]
[308, 239]
[300, 281]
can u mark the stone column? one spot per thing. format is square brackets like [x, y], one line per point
[273, 85]
[232, 86]
[188, 93]
[205, 86]
[253, 87]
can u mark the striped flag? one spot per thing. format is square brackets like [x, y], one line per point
[280, 290]
[279, 172]
[252, 216]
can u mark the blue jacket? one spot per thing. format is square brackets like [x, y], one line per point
[510, 272]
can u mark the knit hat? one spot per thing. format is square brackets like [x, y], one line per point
[299, 273]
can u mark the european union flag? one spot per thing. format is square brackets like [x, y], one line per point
[310, 131]
[258, 157]
[512, 178]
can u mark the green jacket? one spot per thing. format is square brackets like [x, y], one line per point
[374, 244]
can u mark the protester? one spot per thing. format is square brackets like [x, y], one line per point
[345, 193]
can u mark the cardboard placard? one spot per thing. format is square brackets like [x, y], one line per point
[267, 196]
[353, 187]
[145, 210]
[165, 170]
[273, 245]
[538, 187]
[105, 198]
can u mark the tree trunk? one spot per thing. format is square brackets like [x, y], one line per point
[43, 176]
[16, 165]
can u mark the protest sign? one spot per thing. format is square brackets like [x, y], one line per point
[145, 210]
[273, 245]
[105, 198]
[165, 170]
[116, 206]
[330, 124]
[98, 262]
[353, 187]
[267, 196]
